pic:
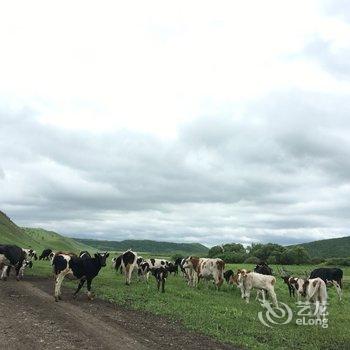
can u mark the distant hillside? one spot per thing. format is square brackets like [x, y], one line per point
[35, 238]
[50, 239]
[329, 248]
[147, 246]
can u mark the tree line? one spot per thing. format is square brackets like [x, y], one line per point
[271, 253]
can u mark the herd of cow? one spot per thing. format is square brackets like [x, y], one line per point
[85, 268]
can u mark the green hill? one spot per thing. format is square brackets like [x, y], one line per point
[10, 233]
[35, 238]
[147, 246]
[329, 248]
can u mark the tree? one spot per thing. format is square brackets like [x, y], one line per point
[215, 251]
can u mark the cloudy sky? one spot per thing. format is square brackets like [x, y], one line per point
[186, 121]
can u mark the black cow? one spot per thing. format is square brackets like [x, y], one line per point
[84, 269]
[127, 261]
[330, 275]
[172, 267]
[263, 269]
[11, 255]
[84, 254]
[228, 276]
[45, 255]
[161, 274]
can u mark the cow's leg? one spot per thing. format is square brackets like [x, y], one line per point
[18, 269]
[58, 282]
[126, 274]
[5, 272]
[88, 286]
[158, 284]
[81, 283]
[338, 289]
[262, 292]
[129, 272]
[163, 285]
[247, 295]
[272, 293]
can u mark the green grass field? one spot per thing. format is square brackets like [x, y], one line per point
[223, 314]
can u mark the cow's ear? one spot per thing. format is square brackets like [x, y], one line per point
[249, 271]
[107, 255]
[239, 271]
[96, 255]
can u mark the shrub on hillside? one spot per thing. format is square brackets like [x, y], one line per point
[338, 261]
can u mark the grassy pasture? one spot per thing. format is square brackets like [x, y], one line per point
[223, 314]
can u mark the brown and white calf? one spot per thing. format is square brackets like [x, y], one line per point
[314, 290]
[247, 280]
[204, 268]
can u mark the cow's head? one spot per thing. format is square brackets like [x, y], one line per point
[240, 276]
[191, 262]
[139, 260]
[301, 286]
[102, 257]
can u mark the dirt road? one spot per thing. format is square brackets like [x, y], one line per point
[29, 318]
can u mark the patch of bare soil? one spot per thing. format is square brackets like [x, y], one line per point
[29, 318]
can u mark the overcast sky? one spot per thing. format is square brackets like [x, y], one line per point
[185, 121]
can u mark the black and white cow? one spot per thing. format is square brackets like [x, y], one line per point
[161, 274]
[11, 255]
[126, 262]
[143, 270]
[84, 269]
[330, 275]
[30, 254]
[84, 254]
[45, 255]
[147, 266]
[180, 262]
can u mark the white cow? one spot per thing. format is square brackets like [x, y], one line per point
[247, 280]
[314, 290]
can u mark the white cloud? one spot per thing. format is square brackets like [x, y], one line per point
[183, 121]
